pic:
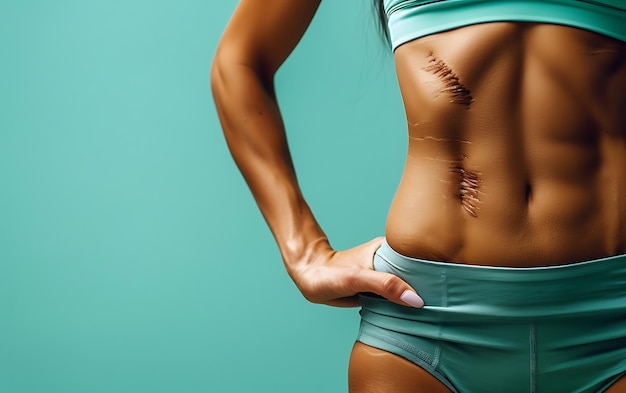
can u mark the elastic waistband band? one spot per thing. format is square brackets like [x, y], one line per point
[585, 287]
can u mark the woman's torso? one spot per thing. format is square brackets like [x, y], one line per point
[517, 146]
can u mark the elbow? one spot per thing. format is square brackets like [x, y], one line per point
[236, 64]
[225, 75]
[216, 76]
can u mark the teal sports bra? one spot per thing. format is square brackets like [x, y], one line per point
[411, 19]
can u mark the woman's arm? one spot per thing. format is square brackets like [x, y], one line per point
[258, 39]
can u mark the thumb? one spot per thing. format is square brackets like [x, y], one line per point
[388, 286]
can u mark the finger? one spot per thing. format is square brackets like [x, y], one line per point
[351, 301]
[367, 251]
[373, 246]
[386, 285]
[375, 243]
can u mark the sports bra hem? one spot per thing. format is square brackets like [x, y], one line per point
[407, 23]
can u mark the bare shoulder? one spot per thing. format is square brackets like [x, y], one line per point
[263, 33]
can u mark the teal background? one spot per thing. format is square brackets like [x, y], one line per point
[132, 256]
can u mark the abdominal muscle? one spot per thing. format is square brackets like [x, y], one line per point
[517, 146]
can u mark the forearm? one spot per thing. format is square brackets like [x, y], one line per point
[255, 134]
[258, 39]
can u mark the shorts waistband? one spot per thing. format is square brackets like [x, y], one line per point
[595, 286]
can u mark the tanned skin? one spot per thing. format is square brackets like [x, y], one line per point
[517, 157]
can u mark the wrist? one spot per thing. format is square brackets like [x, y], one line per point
[298, 253]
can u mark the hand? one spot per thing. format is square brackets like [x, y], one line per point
[336, 277]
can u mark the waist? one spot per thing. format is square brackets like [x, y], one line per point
[494, 210]
[596, 286]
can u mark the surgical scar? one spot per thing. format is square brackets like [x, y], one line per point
[436, 139]
[453, 86]
[469, 190]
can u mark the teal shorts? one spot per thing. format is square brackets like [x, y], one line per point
[490, 329]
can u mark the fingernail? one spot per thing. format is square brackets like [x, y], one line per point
[411, 298]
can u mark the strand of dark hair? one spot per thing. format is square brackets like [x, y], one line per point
[381, 15]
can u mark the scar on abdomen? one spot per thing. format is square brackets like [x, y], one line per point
[437, 139]
[469, 190]
[453, 86]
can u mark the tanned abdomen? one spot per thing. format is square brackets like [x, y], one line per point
[517, 146]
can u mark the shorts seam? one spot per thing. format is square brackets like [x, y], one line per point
[405, 350]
